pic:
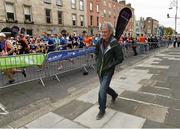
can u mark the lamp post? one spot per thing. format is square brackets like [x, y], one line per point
[174, 3]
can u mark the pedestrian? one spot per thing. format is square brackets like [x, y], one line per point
[133, 42]
[7, 49]
[108, 55]
[175, 42]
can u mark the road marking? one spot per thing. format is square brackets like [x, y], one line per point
[4, 111]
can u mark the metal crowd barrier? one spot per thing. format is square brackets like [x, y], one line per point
[40, 66]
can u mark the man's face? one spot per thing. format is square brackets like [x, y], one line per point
[1, 38]
[106, 33]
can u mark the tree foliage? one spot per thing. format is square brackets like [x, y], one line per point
[168, 31]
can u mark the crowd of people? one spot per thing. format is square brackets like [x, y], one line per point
[24, 44]
[45, 43]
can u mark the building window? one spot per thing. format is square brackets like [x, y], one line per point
[10, 12]
[82, 20]
[60, 18]
[81, 2]
[47, 1]
[104, 13]
[104, 3]
[59, 2]
[97, 8]
[74, 19]
[48, 15]
[91, 20]
[29, 32]
[91, 6]
[97, 21]
[27, 14]
[73, 4]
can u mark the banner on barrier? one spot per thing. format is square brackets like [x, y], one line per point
[65, 55]
[21, 61]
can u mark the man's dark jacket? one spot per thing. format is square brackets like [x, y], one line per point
[108, 58]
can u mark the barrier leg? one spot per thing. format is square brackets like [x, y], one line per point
[57, 77]
[85, 70]
[42, 82]
[93, 67]
[4, 111]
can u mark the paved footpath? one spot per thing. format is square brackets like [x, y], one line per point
[149, 97]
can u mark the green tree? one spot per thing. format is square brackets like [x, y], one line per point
[168, 31]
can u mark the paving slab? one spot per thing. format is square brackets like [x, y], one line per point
[118, 89]
[147, 82]
[173, 117]
[90, 97]
[154, 66]
[46, 121]
[88, 118]
[163, 84]
[67, 124]
[153, 124]
[152, 112]
[161, 78]
[140, 96]
[73, 109]
[123, 120]
[124, 105]
[168, 102]
[156, 90]
[126, 85]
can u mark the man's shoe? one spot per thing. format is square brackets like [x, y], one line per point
[100, 115]
[114, 98]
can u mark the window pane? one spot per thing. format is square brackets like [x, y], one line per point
[59, 17]
[97, 21]
[48, 12]
[28, 17]
[91, 6]
[73, 17]
[91, 20]
[48, 15]
[97, 8]
[82, 18]
[48, 20]
[58, 2]
[10, 16]
[81, 5]
[73, 4]
[9, 7]
[27, 10]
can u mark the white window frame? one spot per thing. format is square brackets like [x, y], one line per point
[73, 4]
[81, 5]
[91, 6]
[30, 13]
[81, 20]
[97, 8]
[12, 10]
[74, 18]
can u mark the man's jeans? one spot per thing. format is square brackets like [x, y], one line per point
[104, 89]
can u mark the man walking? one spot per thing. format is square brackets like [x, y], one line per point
[108, 55]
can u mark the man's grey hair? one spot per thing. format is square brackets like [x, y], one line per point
[109, 26]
